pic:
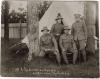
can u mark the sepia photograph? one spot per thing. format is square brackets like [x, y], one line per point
[50, 39]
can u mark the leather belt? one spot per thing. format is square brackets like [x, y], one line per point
[57, 34]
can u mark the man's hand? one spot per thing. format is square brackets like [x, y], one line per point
[46, 49]
[57, 34]
[30, 57]
[86, 39]
[85, 42]
[57, 50]
[17, 51]
[63, 50]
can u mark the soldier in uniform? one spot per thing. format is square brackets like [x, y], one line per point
[79, 32]
[67, 44]
[48, 44]
[57, 28]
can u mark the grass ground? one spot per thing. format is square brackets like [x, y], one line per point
[38, 65]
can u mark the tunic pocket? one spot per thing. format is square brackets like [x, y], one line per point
[66, 40]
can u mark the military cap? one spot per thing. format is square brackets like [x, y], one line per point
[59, 16]
[44, 28]
[77, 15]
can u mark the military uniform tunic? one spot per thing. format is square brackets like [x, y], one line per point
[67, 43]
[47, 41]
[79, 30]
[57, 29]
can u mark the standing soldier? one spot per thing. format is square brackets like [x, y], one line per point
[79, 32]
[48, 44]
[57, 28]
[67, 44]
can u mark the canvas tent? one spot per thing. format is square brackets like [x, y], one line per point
[67, 10]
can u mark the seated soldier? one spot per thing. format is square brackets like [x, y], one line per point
[66, 43]
[48, 44]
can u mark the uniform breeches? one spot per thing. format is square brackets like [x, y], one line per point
[80, 44]
[57, 39]
[43, 52]
[72, 50]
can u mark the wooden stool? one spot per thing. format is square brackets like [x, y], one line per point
[69, 56]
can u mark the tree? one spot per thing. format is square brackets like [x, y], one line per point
[5, 14]
[35, 12]
[43, 7]
[90, 9]
[33, 27]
